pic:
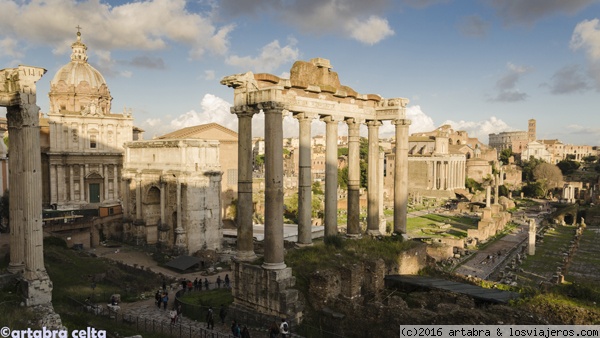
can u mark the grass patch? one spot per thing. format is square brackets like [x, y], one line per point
[213, 298]
[431, 226]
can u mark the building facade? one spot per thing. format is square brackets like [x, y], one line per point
[84, 158]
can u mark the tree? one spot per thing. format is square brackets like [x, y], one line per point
[528, 167]
[4, 216]
[316, 188]
[590, 159]
[533, 190]
[343, 177]
[568, 167]
[505, 154]
[342, 152]
[548, 176]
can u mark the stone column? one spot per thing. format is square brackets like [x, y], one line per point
[496, 179]
[180, 233]
[435, 171]
[138, 198]
[488, 193]
[353, 226]
[53, 184]
[331, 175]
[105, 173]
[372, 173]
[531, 238]
[71, 185]
[16, 197]
[382, 219]
[273, 185]
[126, 186]
[60, 188]
[23, 119]
[245, 206]
[401, 176]
[304, 181]
[429, 173]
[163, 188]
[81, 184]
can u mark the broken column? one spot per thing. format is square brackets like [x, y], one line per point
[18, 95]
[531, 239]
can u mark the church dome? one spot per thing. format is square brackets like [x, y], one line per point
[79, 70]
[77, 86]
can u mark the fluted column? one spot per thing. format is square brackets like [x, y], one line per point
[16, 198]
[138, 198]
[245, 206]
[372, 173]
[353, 226]
[435, 171]
[81, 184]
[429, 174]
[304, 181]
[71, 185]
[105, 173]
[331, 175]
[163, 188]
[401, 176]
[273, 185]
[60, 188]
[53, 183]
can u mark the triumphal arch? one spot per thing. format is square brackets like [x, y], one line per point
[18, 95]
[312, 92]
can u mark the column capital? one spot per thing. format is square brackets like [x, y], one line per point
[373, 123]
[244, 111]
[331, 118]
[402, 122]
[354, 121]
[271, 107]
[304, 116]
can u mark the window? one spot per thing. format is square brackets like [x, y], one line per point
[93, 141]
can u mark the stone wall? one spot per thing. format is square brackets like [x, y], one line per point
[266, 291]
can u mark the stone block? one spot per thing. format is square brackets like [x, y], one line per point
[351, 280]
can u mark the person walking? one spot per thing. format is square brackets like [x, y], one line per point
[245, 332]
[274, 331]
[210, 319]
[235, 329]
[222, 314]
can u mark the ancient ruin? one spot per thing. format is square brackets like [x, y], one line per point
[18, 95]
[312, 91]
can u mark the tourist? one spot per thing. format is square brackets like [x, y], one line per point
[173, 315]
[165, 300]
[219, 282]
[190, 285]
[157, 297]
[178, 311]
[245, 332]
[235, 329]
[210, 320]
[222, 314]
[164, 285]
[196, 284]
[227, 281]
[274, 331]
[206, 283]
[284, 328]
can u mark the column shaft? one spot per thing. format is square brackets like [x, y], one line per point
[372, 184]
[353, 226]
[71, 185]
[401, 176]
[273, 186]
[81, 184]
[331, 176]
[17, 200]
[245, 206]
[304, 181]
[138, 198]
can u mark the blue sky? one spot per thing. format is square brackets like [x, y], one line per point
[480, 65]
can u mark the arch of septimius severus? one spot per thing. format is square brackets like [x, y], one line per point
[18, 95]
[312, 91]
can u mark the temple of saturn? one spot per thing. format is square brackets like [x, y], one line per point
[313, 91]
[18, 95]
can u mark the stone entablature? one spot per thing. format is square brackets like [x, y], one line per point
[172, 194]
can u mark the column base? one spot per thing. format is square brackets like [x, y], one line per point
[374, 233]
[303, 245]
[245, 256]
[15, 268]
[274, 266]
[37, 291]
[354, 236]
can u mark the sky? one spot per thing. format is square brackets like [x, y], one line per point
[483, 66]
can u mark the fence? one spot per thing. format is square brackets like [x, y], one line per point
[178, 330]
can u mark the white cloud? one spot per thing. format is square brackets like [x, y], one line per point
[271, 57]
[481, 129]
[141, 25]
[530, 11]
[420, 122]
[586, 36]
[8, 47]
[370, 31]
[506, 86]
[209, 75]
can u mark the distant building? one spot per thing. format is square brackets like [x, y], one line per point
[537, 150]
[515, 140]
